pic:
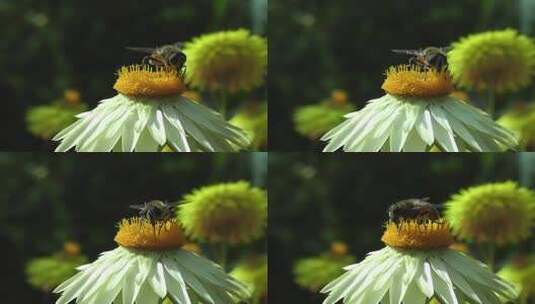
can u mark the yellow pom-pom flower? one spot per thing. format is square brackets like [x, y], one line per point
[497, 213]
[253, 271]
[520, 271]
[314, 120]
[229, 61]
[521, 120]
[230, 213]
[253, 119]
[46, 273]
[500, 61]
[47, 120]
[313, 273]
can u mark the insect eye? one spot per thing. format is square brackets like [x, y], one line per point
[178, 58]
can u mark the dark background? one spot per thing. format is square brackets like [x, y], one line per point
[53, 45]
[47, 199]
[317, 46]
[316, 199]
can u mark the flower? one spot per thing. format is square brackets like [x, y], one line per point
[416, 114]
[253, 272]
[520, 271]
[501, 61]
[147, 114]
[499, 213]
[313, 273]
[230, 60]
[72, 96]
[254, 120]
[521, 120]
[416, 266]
[314, 120]
[228, 212]
[45, 121]
[147, 266]
[48, 272]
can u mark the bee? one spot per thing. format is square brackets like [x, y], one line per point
[413, 209]
[156, 211]
[428, 58]
[170, 55]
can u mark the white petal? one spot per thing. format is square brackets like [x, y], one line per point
[194, 131]
[211, 120]
[130, 289]
[208, 270]
[459, 282]
[464, 133]
[175, 131]
[157, 281]
[444, 138]
[414, 143]
[147, 295]
[130, 135]
[350, 132]
[156, 126]
[146, 143]
[414, 295]
[402, 128]
[376, 122]
[177, 286]
[425, 280]
[425, 127]
[442, 282]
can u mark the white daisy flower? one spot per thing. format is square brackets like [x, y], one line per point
[149, 266]
[416, 267]
[148, 114]
[416, 114]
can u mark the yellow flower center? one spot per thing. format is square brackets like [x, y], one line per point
[413, 81]
[139, 233]
[146, 81]
[414, 234]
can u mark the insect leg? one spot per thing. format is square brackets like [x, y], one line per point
[146, 60]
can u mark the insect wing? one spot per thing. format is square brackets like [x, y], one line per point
[408, 52]
[137, 207]
[142, 50]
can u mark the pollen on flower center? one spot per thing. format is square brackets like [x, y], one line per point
[139, 233]
[143, 80]
[414, 234]
[413, 81]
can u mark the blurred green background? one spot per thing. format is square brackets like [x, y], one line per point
[47, 199]
[319, 46]
[54, 45]
[344, 197]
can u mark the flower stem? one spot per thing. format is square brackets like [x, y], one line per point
[222, 252]
[491, 255]
[491, 103]
[223, 104]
